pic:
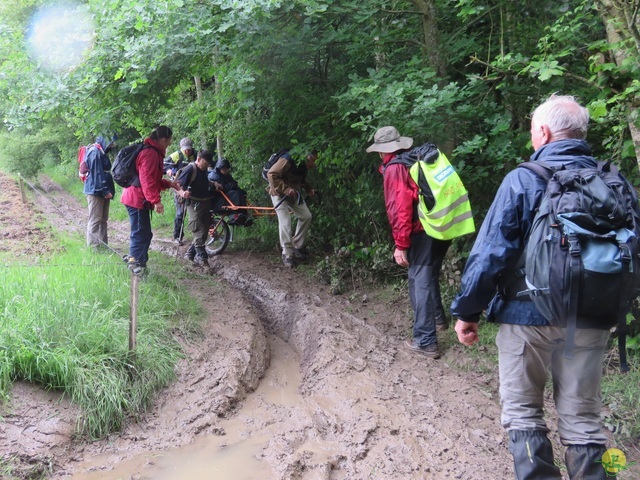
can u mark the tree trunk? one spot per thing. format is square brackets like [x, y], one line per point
[218, 134]
[427, 10]
[198, 82]
[621, 21]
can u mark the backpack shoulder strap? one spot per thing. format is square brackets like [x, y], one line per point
[539, 168]
[192, 173]
[399, 160]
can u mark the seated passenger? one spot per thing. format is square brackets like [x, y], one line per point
[221, 179]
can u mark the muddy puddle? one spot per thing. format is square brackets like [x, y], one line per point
[235, 451]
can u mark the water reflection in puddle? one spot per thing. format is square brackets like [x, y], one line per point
[205, 460]
[235, 455]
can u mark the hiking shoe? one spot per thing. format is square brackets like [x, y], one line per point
[288, 261]
[178, 242]
[441, 324]
[300, 253]
[431, 351]
[136, 268]
[201, 261]
[133, 264]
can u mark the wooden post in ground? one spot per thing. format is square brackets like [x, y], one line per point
[133, 315]
[24, 196]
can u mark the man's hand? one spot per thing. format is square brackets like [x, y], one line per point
[401, 258]
[184, 193]
[292, 193]
[109, 196]
[159, 208]
[467, 332]
[218, 185]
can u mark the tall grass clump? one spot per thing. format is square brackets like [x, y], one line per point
[620, 395]
[65, 324]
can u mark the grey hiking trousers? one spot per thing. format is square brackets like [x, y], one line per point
[527, 355]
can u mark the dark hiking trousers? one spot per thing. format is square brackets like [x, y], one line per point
[425, 262]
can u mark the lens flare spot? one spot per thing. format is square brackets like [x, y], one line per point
[61, 36]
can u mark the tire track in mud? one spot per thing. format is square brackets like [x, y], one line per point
[390, 414]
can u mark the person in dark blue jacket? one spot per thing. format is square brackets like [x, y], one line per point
[221, 180]
[529, 347]
[99, 190]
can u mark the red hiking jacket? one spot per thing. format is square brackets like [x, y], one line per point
[401, 200]
[150, 170]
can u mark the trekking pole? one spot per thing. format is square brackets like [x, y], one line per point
[181, 233]
[184, 214]
[184, 217]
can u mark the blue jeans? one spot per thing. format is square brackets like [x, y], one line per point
[141, 234]
[425, 261]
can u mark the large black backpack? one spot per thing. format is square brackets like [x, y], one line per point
[273, 158]
[582, 258]
[124, 166]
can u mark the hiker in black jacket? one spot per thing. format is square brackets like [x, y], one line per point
[195, 184]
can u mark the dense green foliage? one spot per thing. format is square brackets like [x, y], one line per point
[321, 74]
[65, 325]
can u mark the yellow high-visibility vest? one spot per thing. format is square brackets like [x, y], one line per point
[450, 216]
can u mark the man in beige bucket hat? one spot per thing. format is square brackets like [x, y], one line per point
[416, 250]
[388, 139]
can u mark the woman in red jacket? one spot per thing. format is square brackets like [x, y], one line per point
[141, 199]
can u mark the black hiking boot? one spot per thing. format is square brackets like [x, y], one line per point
[201, 258]
[300, 253]
[585, 462]
[191, 253]
[287, 261]
[532, 455]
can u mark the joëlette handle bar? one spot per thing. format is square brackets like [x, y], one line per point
[253, 208]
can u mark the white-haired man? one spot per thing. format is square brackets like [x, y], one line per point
[529, 347]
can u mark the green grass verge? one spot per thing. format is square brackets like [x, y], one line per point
[64, 324]
[621, 395]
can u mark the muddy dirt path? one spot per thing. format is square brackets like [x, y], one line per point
[291, 381]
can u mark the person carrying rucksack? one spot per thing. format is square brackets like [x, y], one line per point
[529, 345]
[99, 190]
[288, 178]
[143, 196]
[422, 254]
[172, 164]
[195, 186]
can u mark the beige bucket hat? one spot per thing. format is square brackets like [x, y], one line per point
[388, 139]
